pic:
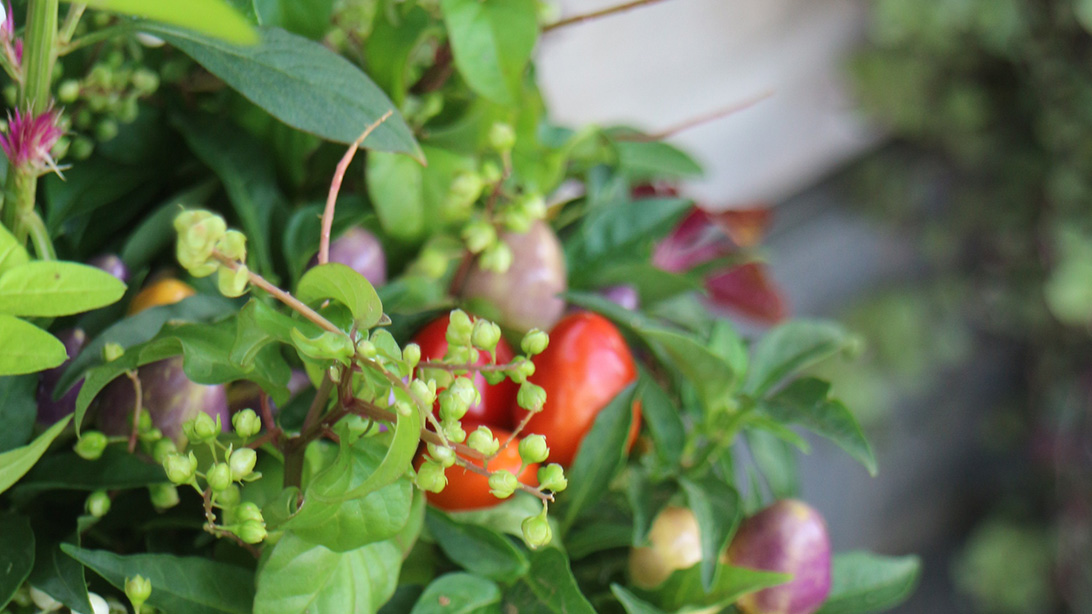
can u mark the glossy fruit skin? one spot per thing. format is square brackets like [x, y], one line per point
[585, 366]
[467, 490]
[495, 408]
[361, 251]
[788, 537]
[50, 411]
[166, 291]
[674, 543]
[112, 264]
[625, 296]
[525, 295]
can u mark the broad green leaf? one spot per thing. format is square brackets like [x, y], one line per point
[27, 348]
[194, 585]
[620, 232]
[506, 517]
[300, 577]
[212, 17]
[14, 464]
[301, 83]
[550, 587]
[311, 18]
[587, 539]
[59, 575]
[719, 510]
[646, 500]
[18, 410]
[344, 285]
[477, 549]
[807, 402]
[632, 603]
[411, 199]
[115, 470]
[684, 587]
[789, 348]
[53, 288]
[710, 374]
[16, 554]
[776, 460]
[643, 160]
[492, 41]
[726, 342]
[94, 184]
[391, 44]
[156, 231]
[12, 252]
[864, 582]
[459, 593]
[602, 453]
[663, 420]
[259, 325]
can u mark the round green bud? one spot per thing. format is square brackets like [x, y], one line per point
[459, 328]
[534, 342]
[150, 435]
[424, 393]
[163, 448]
[97, 503]
[479, 236]
[163, 496]
[229, 497]
[486, 335]
[219, 477]
[180, 469]
[91, 445]
[242, 463]
[232, 245]
[531, 397]
[144, 422]
[138, 589]
[430, 476]
[453, 430]
[68, 91]
[112, 351]
[536, 530]
[251, 532]
[82, 148]
[465, 189]
[367, 349]
[491, 172]
[532, 205]
[552, 477]
[128, 110]
[502, 137]
[503, 483]
[442, 454]
[248, 511]
[334, 373]
[521, 370]
[60, 148]
[233, 283]
[246, 423]
[532, 449]
[203, 427]
[493, 377]
[482, 440]
[498, 258]
[411, 355]
[106, 130]
[144, 81]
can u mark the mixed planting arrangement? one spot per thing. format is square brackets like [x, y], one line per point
[475, 368]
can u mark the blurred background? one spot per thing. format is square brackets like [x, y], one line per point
[930, 169]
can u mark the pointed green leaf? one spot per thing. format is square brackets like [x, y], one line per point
[59, 575]
[492, 42]
[863, 582]
[53, 288]
[719, 510]
[477, 549]
[12, 253]
[14, 464]
[27, 348]
[550, 587]
[212, 17]
[791, 347]
[710, 374]
[459, 593]
[632, 603]
[344, 285]
[16, 554]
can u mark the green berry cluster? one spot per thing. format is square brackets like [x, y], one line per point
[205, 246]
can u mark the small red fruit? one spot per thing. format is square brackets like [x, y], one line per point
[467, 490]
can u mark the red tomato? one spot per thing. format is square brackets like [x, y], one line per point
[585, 366]
[467, 490]
[497, 401]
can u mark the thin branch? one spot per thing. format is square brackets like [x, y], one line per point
[318, 403]
[568, 21]
[519, 429]
[485, 472]
[71, 20]
[370, 410]
[281, 295]
[335, 187]
[443, 366]
[699, 120]
[271, 427]
[138, 391]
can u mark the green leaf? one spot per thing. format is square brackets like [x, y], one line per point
[259, 325]
[492, 41]
[344, 285]
[301, 83]
[16, 554]
[350, 524]
[791, 347]
[310, 18]
[684, 587]
[340, 482]
[710, 374]
[116, 469]
[459, 593]
[602, 453]
[550, 587]
[53, 288]
[506, 517]
[663, 420]
[719, 510]
[212, 17]
[59, 575]
[188, 584]
[391, 45]
[617, 232]
[864, 582]
[18, 410]
[643, 160]
[14, 464]
[776, 460]
[807, 402]
[410, 199]
[477, 549]
[301, 577]
[12, 252]
[27, 348]
[632, 603]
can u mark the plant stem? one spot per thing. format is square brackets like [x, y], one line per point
[39, 236]
[699, 120]
[71, 20]
[96, 37]
[568, 21]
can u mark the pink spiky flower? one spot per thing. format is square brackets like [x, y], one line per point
[29, 139]
[13, 47]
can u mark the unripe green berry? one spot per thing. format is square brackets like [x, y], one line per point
[248, 511]
[411, 355]
[493, 377]
[229, 497]
[138, 589]
[68, 91]
[479, 236]
[163, 448]
[459, 328]
[430, 476]
[97, 504]
[203, 428]
[534, 342]
[219, 476]
[180, 469]
[552, 477]
[233, 283]
[491, 172]
[465, 189]
[246, 423]
[251, 532]
[144, 422]
[502, 137]
[453, 430]
[163, 496]
[82, 148]
[498, 258]
[367, 349]
[106, 130]
[503, 483]
[482, 440]
[536, 530]
[533, 449]
[91, 445]
[531, 397]
[112, 351]
[144, 81]
[442, 454]
[242, 463]
[150, 435]
[486, 335]
[423, 392]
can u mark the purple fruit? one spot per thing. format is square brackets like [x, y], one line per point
[787, 537]
[526, 295]
[359, 250]
[50, 411]
[626, 296]
[169, 397]
[112, 265]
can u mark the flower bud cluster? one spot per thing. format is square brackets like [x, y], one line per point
[203, 241]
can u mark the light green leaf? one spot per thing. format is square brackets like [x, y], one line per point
[300, 577]
[459, 593]
[52, 288]
[791, 347]
[864, 582]
[710, 374]
[300, 82]
[27, 348]
[15, 463]
[410, 199]
[492, 42]
[16, 554]
[344, 285]
[719, 510]
[478, 549]
[189, 584]
[215, 18]
[12, 253]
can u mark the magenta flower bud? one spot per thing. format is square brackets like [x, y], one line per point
[787, 537]
[50, 411]
[112, 264]
[624, 296]
[29, 139]
[362, 252]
